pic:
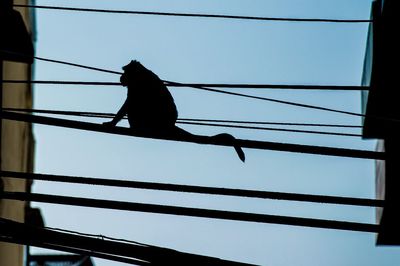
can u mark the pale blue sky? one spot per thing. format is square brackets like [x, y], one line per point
[215, 51]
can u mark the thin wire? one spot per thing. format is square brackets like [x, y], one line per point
[64, 63]
[271, 100]
[253, 144]
[77, 65]
[283, 102]
[128, 12]
[191, 212]
[275, 129]
[210, 85]
[108, 115]
[240, 94]
[272, 123]
[171, 83]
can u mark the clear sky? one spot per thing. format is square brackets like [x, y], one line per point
[212, 51]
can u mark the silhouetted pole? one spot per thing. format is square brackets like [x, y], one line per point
[1, 121]
[15, 46]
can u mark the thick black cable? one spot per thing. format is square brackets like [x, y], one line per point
[253, 144]
[210, 85]
[128, 12]
[187, 122]
[110, 115]
[155, 255]
[191, 212]
[73, 250]
[197, 189]
[120, 240]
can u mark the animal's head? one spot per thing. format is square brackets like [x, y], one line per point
[131, 71]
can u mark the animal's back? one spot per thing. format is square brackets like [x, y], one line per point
[149, 102]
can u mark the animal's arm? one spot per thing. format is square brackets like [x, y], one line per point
[121, 113]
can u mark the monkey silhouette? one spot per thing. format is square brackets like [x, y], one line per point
[151, 109]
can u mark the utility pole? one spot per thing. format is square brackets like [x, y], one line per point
[15, 46]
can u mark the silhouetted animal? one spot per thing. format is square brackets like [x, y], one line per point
[151, 108]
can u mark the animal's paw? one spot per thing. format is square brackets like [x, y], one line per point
[109, 124]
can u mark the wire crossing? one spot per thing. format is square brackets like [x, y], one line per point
[176, 84]
[181, 121]
[192, 212]
[237, 94]
[131, 12]
[210, 85]
[253, 144]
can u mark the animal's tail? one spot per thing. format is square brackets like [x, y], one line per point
[231, 139]
[224, 138]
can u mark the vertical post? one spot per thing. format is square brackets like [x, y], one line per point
[1, 120]
[15, 46]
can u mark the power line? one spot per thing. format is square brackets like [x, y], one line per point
[114, 250]
[186, 122]
[120, 240]
[253, 144]
[274, 129]
[131, 12]
[243, 95]
[76, 65]
[197, 189]
[192, 212]
[210, 85]
[110, 115]
[271, 123]
[254, 97]
[73, 250]
[302, 105]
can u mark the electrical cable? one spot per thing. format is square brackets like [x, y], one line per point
[246, 95]
[77, 65]
[210, 85]
[34, 235]
[281, 101]
[197, 189]
[267, 99]
[110, 115]
[191, 212]
[196, 123]
[73, 250]
[131, 12]
[98, 236]
[64, 63]
[253, 144]
[275, 129]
